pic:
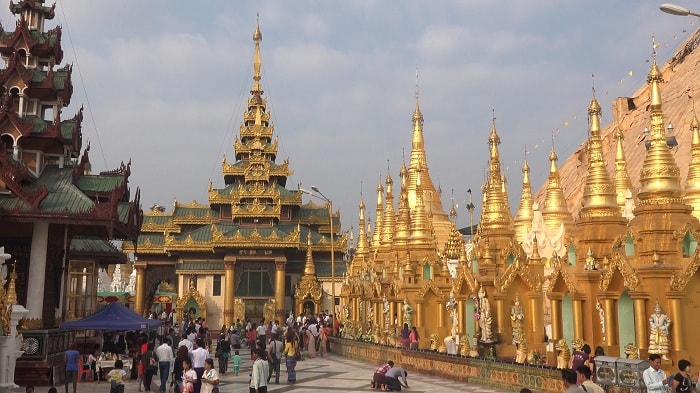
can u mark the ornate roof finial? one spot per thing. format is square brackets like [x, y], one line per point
[495, 209]
[257, 62]
[599, 199]
[623, 182]
[660, 176]
[692, 185]
[555, 211]
[362, 249]
[309, 267]
[523, 218]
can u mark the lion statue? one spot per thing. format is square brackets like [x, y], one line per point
[577, 344]
[521, 352]
[631, 351]
[434, 341]
[564, 353]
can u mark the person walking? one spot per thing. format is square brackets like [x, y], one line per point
[323, 333]
[72, 357]
[189, 376]
[223, 349]
[681, 382]
[654, 377]
[274, 350]
[199, 355]
[259, 374]
[413, 337]
[150, 362]
[583, 373]
[164, 353]
[178, 371]
[210, 378]
[291, 347]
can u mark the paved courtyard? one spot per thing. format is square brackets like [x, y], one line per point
[329, 374]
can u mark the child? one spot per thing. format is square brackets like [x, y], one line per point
[116, 377]
[236, 362]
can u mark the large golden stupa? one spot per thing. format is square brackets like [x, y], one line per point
[605, 252]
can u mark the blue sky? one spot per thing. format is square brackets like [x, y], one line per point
[164, 84]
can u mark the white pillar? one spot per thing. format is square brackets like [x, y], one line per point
[37, 271]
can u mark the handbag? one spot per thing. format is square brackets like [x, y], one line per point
[153, 364]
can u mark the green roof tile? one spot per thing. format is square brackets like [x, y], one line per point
[99, 183]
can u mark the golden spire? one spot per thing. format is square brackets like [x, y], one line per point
[692, 185]
[403, 221]
[660, 177]
[418, 166]
[389, 219]
[420, 227]
[257, 62]
[555, 212]
[523, 219]
[535, 256]
[495, 210]
[362, 248]
[623, 182]
[309, 268]
[376, 236]
[599, 199]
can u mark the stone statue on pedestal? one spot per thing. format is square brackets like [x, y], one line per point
[484, 316]
[407, 313]
[658, 332]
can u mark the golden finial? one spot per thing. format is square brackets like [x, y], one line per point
[417, 115]
[692, 185]
[599, 198]
[523, 218]
[389, 219]
[379, 213]
[257, 35]
[555, 211]
[11, 287]
[660, 176]
[309, 268]
[495, 209]
[362, 248]
[257, 61]
[623, 182]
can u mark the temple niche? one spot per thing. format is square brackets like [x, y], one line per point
[590, 257]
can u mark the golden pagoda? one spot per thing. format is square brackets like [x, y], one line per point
[602, 256]
[251, 240]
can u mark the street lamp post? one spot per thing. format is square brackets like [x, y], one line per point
[675, 9]
[329, 203]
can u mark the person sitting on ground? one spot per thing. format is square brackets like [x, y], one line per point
[394, 379]
[583, 373]
[379, 373]
[116, 377]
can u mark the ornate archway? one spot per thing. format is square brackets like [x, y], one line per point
[188, 299]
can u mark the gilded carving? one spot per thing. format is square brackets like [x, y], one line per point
[620, 263]
[239, 309]
[532, 280]
[198, 298]
[679, 282]
[429, 285]
[560, 270]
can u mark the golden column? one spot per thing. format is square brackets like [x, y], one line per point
[140, 288]
[676, 339]
[355, 316]
[577, 311]
[557, 328]
[500, 320]
[611, 330]
[535, 320]
[419, 315]
[461, 315]
[279, 289]
[441, 315]
[399, 313]
[394, 318]
[229, 277]
[640, 323]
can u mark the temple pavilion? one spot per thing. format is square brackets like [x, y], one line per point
[255, 249]
[57, 219]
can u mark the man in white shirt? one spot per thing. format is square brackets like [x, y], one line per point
[258, 376]
[199, 354]
[165, 357]
[186, 342]
[655, 377]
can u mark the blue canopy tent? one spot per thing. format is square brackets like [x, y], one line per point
[115, 316]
